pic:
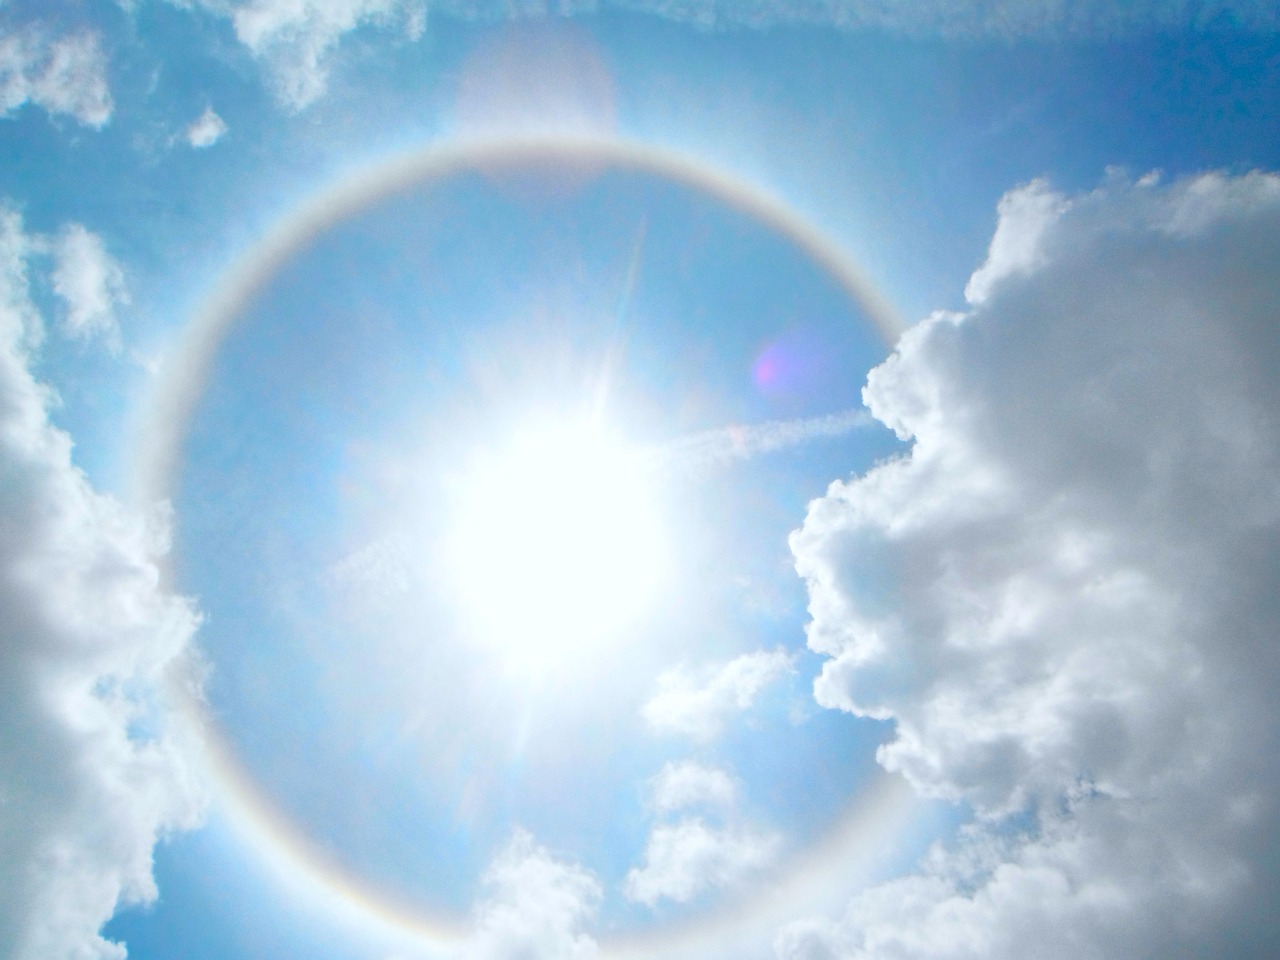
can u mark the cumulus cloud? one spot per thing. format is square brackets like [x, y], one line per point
[1064, 594]
[65, 75]
[86, 640]
[206, 130]
[1025, 215]
[535, 907]
[697, 703]
[90, 283]
[679, 786]
[688, 858]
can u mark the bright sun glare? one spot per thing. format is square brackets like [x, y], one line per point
[557, 544]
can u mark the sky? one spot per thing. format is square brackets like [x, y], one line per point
[530, 480]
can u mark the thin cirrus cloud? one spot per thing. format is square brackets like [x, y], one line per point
[696, 703]
[296, 39]
[1010, 18]
[64, 75]
[85, 644]
[1079, 636]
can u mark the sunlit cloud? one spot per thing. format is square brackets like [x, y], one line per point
[685, 784]
[688, 857]
[535, 906]
[93, 771]
[685, 859]
[697, 703]
[1056, 595]
[1078, 637]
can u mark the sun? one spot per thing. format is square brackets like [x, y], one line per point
[557, 544]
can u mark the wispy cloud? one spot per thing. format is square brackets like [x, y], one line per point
[64, 75]
[296, 38]
[91, 284]
[1006, 18]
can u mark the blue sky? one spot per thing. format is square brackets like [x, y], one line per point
[560, 555]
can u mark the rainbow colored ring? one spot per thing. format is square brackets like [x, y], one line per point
[881, 810]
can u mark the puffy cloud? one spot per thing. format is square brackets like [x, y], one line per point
[688, 858]
[697, 703]
[297, 38]
[90, 283]
[206, 130]
[90, 773]
[1064, 595]
[535, 908]
[1025, 215]
[688, 784]
[66, 75]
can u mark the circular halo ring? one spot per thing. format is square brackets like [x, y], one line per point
[882, 809]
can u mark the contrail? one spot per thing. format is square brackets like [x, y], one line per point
[712, 448]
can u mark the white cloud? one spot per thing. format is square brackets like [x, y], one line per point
[90, 283]
[679, 786]
[1025, 215]
[86, 640]
[697, 704]
[535, 908]
[1064, 595]
[688, 858]
[297, 38]
[67, 75]
[206, 130]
